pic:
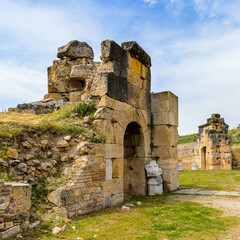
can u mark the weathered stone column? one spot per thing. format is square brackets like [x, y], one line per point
[164, 108]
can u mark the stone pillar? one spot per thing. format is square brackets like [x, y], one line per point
[164, 108]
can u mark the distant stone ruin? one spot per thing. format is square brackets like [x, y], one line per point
[138, 127]
[212, 148]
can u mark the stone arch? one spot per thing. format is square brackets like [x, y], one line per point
[134, 178]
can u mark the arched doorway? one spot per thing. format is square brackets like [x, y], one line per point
[203, 158]
[134, 178]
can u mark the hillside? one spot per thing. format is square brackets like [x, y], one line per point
[235, 134]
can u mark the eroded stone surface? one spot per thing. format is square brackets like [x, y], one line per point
[75, 49]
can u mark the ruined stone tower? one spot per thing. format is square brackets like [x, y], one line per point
[138, 125]
[213, 146]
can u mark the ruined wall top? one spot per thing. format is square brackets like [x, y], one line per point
[214, 125]
[123, 75]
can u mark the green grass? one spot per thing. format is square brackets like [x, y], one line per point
[155, 219]
[225, 180]
[187, 138]
[231, 132]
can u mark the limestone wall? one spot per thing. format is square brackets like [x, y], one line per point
[15, 203]
[185, 154]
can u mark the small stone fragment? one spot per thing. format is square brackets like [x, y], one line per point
[64, 228]
[139, 203]
[26, 144]
[62, 144]
[56, 230]
[22, 167]
[126, 209]
[29, 156]
[67, 220]
[130, 205]
[67, 138]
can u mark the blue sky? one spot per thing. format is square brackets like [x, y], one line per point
[194, 45]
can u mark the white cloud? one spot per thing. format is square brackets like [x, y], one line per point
[151, 2]
[19, 83]
[205, 76]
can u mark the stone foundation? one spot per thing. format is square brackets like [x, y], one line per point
[15, 203]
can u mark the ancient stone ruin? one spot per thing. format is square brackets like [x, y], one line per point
[212, 148]
[138, 126]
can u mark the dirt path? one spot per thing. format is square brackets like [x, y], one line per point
[229, 206]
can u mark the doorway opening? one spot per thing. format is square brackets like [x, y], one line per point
[203, 158]
[134, 178]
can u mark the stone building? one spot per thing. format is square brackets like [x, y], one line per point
[213, 145]
[138, 125]
[211, 149]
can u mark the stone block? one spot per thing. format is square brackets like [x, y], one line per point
[165, 152]
[8, 224]
[59, 76]
[117, 168]
[104, 113]
[53, 95]
[81, 71]
[134, 79]
[133, 95]
[11, 232]
[107, 101]
[108, 169]
[75, 49]
[115, 67]
[136, 51]
[144, 100]
[168, 163]
[111, 85]
[3, 206]
[61, 197]
[118, 133]
[112, 51]
[21, 194]
[165, 135]
[164, 101]
[75, 96]
[147, 142]
[154, 188]
[170, 179]
[105, 127]
[113, 151]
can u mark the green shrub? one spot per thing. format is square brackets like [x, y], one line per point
[40, 191]
[84, 109]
